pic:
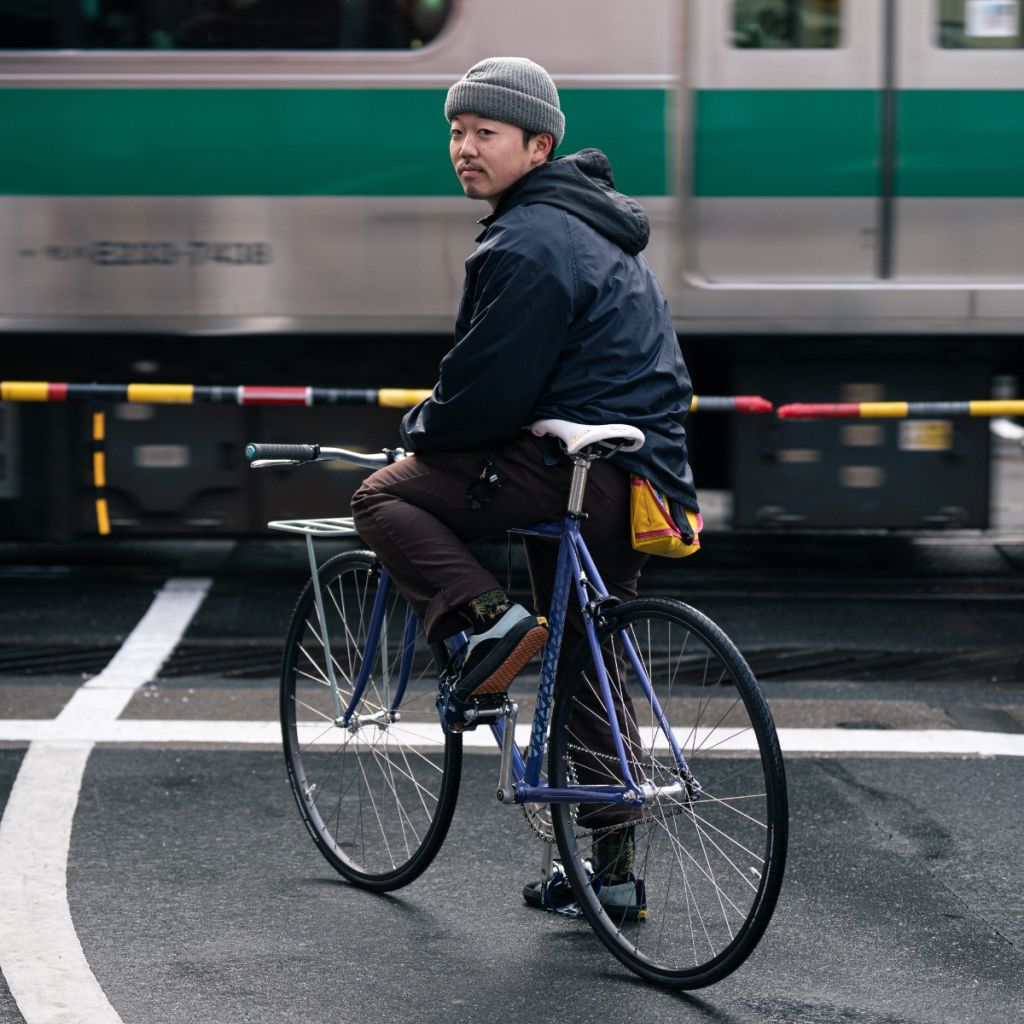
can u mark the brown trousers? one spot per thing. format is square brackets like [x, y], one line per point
[416, 516]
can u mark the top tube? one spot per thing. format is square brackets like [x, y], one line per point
[545, 529]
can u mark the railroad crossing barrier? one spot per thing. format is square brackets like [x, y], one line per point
[397, 398]
[401, 398]
[247, 394]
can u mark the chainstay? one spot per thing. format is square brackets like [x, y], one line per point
[602, 830]
[645, 819]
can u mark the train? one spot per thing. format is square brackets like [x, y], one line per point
[235, 192]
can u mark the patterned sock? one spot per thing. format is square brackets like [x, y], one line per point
[486, 609]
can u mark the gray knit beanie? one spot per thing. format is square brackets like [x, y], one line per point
[509, 89]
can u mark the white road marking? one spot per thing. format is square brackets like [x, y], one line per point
[428, 734]
[40, 953]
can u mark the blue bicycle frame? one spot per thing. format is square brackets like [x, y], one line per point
[522, 776]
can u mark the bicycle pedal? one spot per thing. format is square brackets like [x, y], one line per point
[464, 716]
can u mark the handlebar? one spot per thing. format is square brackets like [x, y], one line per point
[261, 456]
[288, 453]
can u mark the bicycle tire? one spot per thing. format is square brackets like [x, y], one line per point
[708, 870]
[377, 798]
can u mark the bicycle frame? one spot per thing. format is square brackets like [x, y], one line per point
[521, 777]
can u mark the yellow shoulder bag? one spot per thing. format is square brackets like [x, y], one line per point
[654, 530]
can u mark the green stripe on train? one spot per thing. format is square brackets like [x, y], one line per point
[339, 142]
[786, 142]
[961, 143]
[789, 142]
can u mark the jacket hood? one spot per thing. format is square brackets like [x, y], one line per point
[582, 184]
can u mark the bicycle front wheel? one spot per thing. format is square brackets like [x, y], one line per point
[377, 793]
[695, 869]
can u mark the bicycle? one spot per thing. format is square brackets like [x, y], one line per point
[373, 739]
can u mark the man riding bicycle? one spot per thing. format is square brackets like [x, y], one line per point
[560, 318]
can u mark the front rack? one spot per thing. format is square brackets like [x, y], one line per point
[340, 527]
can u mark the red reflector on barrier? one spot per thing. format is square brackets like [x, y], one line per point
[273, 396]
[753, 403]
[820, 410]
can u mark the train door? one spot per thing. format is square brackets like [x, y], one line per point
[858, 141]
[815, 134]
[787, 140]
[959, 179]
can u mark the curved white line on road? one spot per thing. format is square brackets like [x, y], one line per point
[222, 733]
[40, 953]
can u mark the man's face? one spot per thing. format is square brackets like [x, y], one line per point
[489, 156]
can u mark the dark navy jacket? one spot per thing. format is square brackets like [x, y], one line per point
[562, 317]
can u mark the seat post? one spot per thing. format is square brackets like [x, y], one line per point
[580, 468]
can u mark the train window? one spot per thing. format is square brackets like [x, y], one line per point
[221, 24]
[980, 25]
[786, 24]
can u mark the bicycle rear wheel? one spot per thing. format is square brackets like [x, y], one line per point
[696, 892]
[377, 795]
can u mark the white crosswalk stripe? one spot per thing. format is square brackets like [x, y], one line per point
[40, 953]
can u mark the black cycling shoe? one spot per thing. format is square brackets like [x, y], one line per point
[554, 894]
[497, 656]
[623, 901]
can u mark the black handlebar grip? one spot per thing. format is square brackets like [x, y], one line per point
[291, 452]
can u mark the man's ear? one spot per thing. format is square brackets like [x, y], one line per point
[541, 146]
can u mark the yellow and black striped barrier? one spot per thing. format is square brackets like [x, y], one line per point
[196, 394]
[247, 394]
[899, 410]
[402, 398]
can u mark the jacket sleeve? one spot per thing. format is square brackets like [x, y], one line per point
[519, 305]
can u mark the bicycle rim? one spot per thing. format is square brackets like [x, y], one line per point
[376, 795]
[709, 854]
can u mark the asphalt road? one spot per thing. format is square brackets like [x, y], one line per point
[195, 894]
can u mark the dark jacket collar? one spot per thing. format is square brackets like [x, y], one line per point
[581, 184]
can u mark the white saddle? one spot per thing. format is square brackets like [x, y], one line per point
[577, 436]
